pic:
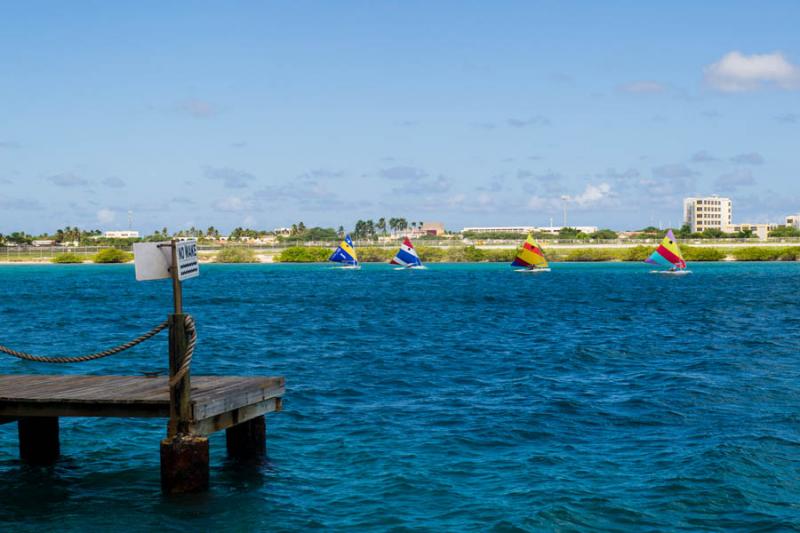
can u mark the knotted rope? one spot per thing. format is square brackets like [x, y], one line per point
[89, 357]
[184, 367]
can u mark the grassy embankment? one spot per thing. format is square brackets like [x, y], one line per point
[470, 254]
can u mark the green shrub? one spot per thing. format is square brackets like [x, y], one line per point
[590, 255]
[303, 254]
[499, 255]
[373, 254]
[767, 253]
[66, 258]
[432, 254]
[637, 253]
[112, 255]
[702, 253]
[236, 255]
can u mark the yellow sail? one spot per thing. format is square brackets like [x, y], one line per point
[530, 255]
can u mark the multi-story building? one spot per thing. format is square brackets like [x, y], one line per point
[793, 221]
[710, 212]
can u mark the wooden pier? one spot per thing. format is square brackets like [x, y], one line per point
[235, 404]
[196, 406]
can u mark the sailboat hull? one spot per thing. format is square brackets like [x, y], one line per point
[531, 270]
[671, 272]
[418, 267]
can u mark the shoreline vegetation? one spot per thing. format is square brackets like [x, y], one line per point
[429, 254]
[471, 254]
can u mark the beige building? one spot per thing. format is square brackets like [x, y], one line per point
[432, 228]
[711, 212]
[793, 221]
[759, 230]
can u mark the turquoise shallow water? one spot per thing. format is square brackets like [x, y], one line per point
[464, 397]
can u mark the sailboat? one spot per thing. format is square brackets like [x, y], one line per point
[406, 257]
[346, 254]
[668, 255]
[531, 257]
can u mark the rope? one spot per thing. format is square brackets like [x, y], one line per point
[183, 368]
[99, 355]
[186, 362]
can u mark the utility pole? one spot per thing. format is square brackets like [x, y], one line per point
[565, 198]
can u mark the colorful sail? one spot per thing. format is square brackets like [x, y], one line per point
[406, 256]
[345, 253]
[668, 254]
[531, 255]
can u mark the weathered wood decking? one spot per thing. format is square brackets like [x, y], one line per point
[217, 402]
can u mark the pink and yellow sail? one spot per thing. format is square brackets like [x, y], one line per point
[668, 254]
[530, 255]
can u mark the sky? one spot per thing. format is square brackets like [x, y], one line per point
[264, 114]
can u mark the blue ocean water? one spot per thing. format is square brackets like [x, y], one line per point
[461, 398]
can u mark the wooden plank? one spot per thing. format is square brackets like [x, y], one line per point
[250, 393]
[228, 397]
[228, 419]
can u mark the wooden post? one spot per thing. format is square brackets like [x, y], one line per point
[247, 440]
[180, 396]
[184, 464]
[177, 291]
[38, 439]
[184, 457]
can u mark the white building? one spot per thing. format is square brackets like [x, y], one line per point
[499, 229]
[711, 212]
[555, 229]
[524, 230]
[793, 221]
[125, 234]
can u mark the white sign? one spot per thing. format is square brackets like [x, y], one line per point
[153, 260]
[188, 267]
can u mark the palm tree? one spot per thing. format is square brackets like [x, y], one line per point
[382, 225]
[341, 231]
[301, 228]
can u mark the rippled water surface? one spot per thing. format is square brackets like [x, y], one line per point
[464, 397]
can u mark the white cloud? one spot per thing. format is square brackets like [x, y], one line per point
[737, 72]
[541, 203]
[643, 87]
[105, 216]
[233, 204]
[592, 194]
